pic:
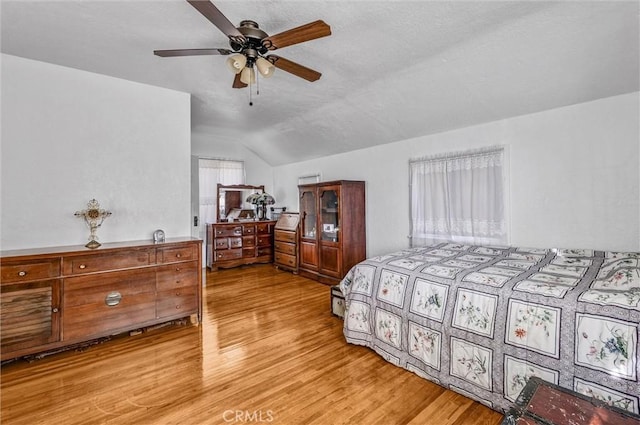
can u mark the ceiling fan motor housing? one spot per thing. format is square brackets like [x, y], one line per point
[253, 39]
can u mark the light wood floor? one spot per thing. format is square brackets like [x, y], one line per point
[268, 351]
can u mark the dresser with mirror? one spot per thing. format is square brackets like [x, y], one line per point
[242, 234]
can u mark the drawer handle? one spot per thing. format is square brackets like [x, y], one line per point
[113, 298]
[177, 269]
[54, 310]
[82, 266]
[178, 255]
[22, 273]
[219, 255]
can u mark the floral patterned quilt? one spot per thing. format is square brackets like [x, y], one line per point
[482, 320]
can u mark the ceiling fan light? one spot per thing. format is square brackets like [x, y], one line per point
[236, 63]
[265, 67]
[248, 76]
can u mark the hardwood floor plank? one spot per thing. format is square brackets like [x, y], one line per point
[268, 350]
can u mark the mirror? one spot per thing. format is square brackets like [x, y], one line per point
[232, 202]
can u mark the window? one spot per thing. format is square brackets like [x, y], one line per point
[458, 197]
[311, 178]
[212, 172]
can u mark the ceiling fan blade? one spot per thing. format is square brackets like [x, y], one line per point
[300, 34]
[191, 52]
[237, 84]
[294, 68]
[217, 18]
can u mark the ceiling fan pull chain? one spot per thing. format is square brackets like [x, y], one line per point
[250, 101]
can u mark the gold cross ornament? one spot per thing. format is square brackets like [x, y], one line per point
[93, 216]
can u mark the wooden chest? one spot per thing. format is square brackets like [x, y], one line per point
[543, 403]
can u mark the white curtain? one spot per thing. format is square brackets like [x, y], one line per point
[212, 172]
[311, 178]
[458, 197]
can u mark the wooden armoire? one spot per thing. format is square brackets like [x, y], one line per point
[332, 229]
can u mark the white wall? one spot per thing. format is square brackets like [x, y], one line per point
[69, 136]
[574, 176]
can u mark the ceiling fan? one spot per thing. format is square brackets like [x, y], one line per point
[250, 45]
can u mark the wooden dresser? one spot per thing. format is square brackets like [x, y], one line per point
[58, 296]
[285, 243]
[239, 243]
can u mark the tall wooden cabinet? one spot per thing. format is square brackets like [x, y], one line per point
[332, 229]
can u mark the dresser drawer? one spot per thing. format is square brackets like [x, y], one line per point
[284, 236]
[221, 244]
[29, 270]
[177, 302]
[285, 247]
[235, 242]
[219, 231]
[285, 259]
[176, 254]
[248, 241]
[101, 304]
[264, 240]
[95, 288]
[177, 276]
[262, 251]
[229, 254]
[248, 229]
[263, 228]
[88, 321]
[104, 262]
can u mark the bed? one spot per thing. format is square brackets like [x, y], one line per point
[482, 320]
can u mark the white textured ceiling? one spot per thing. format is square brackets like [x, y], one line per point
[391, 70]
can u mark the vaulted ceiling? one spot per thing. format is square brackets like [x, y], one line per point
[391, 70]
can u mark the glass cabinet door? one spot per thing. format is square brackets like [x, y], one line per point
[309, 214]
[330, 225]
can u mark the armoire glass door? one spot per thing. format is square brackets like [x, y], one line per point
[330, 225]
[309, 214]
